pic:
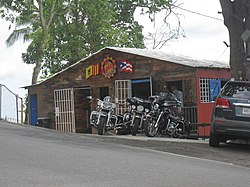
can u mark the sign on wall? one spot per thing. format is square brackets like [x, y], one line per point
[92, 70]
[109, 67]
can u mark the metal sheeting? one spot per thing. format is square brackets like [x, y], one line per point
[174, 58]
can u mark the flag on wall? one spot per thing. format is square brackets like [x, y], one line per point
[96, 69]
[88, 72]
[125, 66]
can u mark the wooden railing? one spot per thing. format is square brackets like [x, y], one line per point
[190, 113]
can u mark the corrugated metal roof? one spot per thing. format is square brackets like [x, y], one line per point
[170, 57]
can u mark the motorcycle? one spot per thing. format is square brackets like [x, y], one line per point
[136, 116]
[124, 127]
[103, 118]
[165, 118]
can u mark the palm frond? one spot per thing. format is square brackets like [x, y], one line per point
[16, 35]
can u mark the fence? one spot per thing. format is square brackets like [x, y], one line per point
[11, 106]
[196, 130]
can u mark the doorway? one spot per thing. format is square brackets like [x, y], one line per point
[82, 110]
[177, 84]
[64, 110]
[104, 91]
[142, 88]
[33, 109]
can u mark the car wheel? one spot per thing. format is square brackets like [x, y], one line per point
[214, 140]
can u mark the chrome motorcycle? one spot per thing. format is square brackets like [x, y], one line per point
[103, 118]
[165, 118]
[136, 116]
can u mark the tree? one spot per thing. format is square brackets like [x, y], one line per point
[236, 15]
[64, 31]
[84, 27]
[36, 17]
[164, 13]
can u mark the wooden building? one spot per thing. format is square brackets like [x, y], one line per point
[122, 73]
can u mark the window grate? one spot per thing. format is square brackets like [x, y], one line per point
[64, 110]
[122, 92]
[205, 90]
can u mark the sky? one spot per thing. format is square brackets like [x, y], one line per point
[204, 40]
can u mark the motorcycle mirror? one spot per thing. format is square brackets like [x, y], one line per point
[90, 97]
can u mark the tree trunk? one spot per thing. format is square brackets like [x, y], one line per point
[38, 65]
[45, 24]
[236, 20]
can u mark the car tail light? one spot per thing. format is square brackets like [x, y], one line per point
[222, 103]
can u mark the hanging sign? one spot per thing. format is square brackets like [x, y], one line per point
[108, 67]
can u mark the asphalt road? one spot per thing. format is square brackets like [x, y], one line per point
[33, 156]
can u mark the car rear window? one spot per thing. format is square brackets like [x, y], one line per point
[237, 90]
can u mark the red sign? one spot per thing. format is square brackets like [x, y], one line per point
[108, 67]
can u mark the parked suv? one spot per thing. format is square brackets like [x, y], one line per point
[231, 114]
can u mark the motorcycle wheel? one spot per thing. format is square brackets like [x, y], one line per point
[150, 129]
[171, 131]
[101, 125]
[135, 127]
[179, 129]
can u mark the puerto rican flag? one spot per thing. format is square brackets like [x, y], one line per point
[125, 66]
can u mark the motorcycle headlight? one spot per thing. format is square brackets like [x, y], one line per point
[146, 110]
[156, 106]
[126, 117]
[133, 107]
[107, 105]
[99, 103]
[140, 108]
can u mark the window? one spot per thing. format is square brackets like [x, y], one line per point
[236, 90]
[209, 89]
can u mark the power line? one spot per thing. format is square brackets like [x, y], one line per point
[218, 58]
[210, 17]
[190, 11]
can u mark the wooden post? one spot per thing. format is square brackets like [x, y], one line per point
[17, 116]
[0, 101]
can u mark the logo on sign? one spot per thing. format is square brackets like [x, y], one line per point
[108, 67]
